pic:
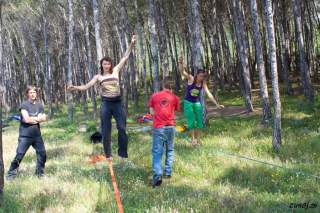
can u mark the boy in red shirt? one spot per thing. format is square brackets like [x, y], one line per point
[163, 106]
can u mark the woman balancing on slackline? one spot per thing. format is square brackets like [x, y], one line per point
[192, 106]
[111, 102]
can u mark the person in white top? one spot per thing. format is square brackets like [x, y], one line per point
[111, 104]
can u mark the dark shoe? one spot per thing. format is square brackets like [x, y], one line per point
[167, 176]
[12, 174]
[157, 182]
[39, 172]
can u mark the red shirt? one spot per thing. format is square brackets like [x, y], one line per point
[164, 104]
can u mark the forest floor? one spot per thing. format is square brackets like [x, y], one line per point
[203, 180]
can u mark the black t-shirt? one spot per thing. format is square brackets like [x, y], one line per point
[30, 130]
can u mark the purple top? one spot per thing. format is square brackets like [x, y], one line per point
[189, 97]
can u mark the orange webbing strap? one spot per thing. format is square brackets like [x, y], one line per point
[115, 187]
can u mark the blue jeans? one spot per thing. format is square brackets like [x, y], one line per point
[161, 136]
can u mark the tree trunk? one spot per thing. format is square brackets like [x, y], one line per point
[14, 73]
[305, 75]
[154, 47]
[97, 31]
[70, 63]
[226, 52]
[313, 47]
[46, 74]
[285, 53]
[199, 58]
[179, 83]
[192, 42]
[122, 42]
[54, 90]
[150, 64]
[4, 78]
[238, 19]
[22, 58]
[132, 69]
[90, 62]
[260, 63]
[83, 93]
[163, 42]
[214, 50]
[1, 95]
[221, 64]
[144, 66]
[276, 141]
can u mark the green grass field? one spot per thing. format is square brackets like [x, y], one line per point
[203, 180]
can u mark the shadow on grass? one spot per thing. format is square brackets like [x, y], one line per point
[263, 178]
[11, 202]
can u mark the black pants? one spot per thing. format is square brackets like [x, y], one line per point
[107, 109]
[23, 146]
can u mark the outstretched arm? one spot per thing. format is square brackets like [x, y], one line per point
[183, 71]
[125, 56]
[205, 87]
[94, 80]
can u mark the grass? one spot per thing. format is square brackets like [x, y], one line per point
[203, 180]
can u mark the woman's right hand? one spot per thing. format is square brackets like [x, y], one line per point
[180, 59]
[70, 88]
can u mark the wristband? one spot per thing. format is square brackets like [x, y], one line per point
[216, 104]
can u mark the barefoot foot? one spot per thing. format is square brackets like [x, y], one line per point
[199, 143]
[120, 159]
[193, 143]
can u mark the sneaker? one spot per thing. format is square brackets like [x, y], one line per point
[12, 174]
[158, 181]
[167, 176]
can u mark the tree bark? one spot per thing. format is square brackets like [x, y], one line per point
[1, 95]
[226, 52]
[47, 71]
[83, 93]
[163, 42]
[305, 75]
[199, 58]
[260, 62]
[97, 32]
[238, 19]
[4, 77]
[132, 68]
[154, 47]
[192, 41]
[144, 66]
[54, 90]
[285, 50]
[276, 140]
[70, 62]
[90, 62]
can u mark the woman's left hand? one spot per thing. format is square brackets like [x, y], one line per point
[220, 106]
[134, 37]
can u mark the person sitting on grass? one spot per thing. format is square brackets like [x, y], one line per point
[111, 104]
[32, 113]
[163, 106]
[192, 106]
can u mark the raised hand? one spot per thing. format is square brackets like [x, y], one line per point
[134, 37]
[180, 59]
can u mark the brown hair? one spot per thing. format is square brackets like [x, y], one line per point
[198, 72]
[106, 58]
[30, 88]
[167, 82]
